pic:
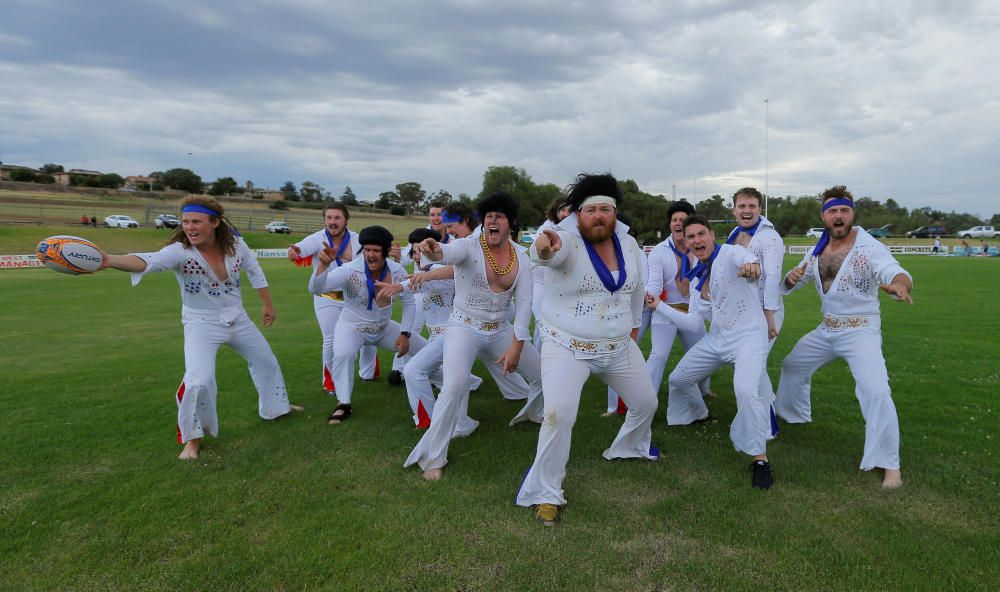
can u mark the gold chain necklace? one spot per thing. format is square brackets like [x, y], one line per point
[493, 262]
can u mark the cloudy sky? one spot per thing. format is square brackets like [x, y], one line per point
[893, 99]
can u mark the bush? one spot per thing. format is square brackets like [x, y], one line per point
[397, 210]
[23, 175]
[279, 205]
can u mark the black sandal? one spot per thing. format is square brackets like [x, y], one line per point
[335, 418]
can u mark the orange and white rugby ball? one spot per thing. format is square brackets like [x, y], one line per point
[69, 254]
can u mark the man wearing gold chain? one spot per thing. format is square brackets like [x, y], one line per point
[491, 274]
[591, 313]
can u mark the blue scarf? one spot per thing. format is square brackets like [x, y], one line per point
[736, 231]
[685, 262]
[603, 273]
[343, 245]
[371, 282]
[701, 270]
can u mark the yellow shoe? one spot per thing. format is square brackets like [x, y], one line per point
[547, 514]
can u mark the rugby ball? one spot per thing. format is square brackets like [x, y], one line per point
[69, 254]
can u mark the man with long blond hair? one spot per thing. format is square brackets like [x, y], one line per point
[206, 254]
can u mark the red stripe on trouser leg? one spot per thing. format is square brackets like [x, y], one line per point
[180, 397]
[327, 380]
[622, 408]
[423, 420]
[376, 373]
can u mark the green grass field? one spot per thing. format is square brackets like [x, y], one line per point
[93, 498]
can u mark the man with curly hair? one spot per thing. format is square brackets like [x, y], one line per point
[848, 267]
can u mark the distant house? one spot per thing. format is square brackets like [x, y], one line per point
[64, 177]
[5, 170]
[263, 193]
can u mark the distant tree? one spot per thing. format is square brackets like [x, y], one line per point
[439, 196]
[411, 195]
[51, 168]
[894, 209]
[348, 198]
[517, 182]
[110, 181]
[714, 208]
[224, 186]
[312, 192]
[182, 179]
[84, 181]
[386, 200]
[646, 213]
[44, 178]
[995, 220]
[289, 192]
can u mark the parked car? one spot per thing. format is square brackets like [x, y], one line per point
[979, 232]
[119, 221]
[880, 232]
[815, 232]
[279, 227]
[167, 221]
[926, 232]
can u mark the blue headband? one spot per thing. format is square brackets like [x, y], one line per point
[840, 201]
[195, 208]
[449, 218]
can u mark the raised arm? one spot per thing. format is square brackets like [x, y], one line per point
[892, 278]
[522, 295]
[548, 248]
[329, 280]
[799, 275]
[774, 253]
[686, 321]
[654, 283]
[129, 263]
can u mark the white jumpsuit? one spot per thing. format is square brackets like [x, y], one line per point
[615, 404]
[328, 307]
[478, 327]
[213, 315]
[851, 330]
[586, 330]
[360, 325]
[662, 283]
[738, 336]
[767, 246]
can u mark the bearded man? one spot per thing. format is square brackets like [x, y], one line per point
[849, 267]
[591, 312]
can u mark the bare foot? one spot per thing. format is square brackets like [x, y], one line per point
[297, 408]
[608, 414]
[190, 451]
[432, 475]
[893, 479]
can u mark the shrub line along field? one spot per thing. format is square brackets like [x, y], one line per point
[93, 498]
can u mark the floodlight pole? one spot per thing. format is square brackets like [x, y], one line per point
[765, 154]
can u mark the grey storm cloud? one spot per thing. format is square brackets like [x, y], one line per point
[895, 100]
